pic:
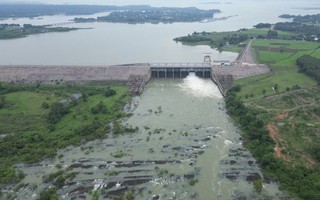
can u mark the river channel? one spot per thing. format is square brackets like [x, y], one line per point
[186, 147]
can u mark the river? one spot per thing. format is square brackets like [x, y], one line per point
[184, 136]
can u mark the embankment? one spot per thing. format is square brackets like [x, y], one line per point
[70, 74]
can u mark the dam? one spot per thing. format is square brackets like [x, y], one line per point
[135, 75]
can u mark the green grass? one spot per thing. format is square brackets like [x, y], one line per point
[284, 71]
[292, 44]
[24, 123]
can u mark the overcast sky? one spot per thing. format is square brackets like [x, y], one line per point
[63, 1]
[106, 2]
[114, 2]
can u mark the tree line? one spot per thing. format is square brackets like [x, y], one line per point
[310, 66]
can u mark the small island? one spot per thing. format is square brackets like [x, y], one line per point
[153, 15]
[11, 31]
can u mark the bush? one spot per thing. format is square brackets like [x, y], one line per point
[110, 92]
[100, 107]
[49, 194]
[2, 101]
[57, 111]
[258, 185]
[45, 105]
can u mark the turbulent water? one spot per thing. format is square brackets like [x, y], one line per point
[184, 137]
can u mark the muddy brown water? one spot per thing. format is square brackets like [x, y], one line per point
[186, 147]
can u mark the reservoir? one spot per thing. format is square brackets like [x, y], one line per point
[110, 43]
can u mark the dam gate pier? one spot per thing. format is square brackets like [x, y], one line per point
[180, 70]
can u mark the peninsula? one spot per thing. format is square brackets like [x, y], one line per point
[11, 31]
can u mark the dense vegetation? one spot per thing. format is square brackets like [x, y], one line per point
[233, 40]
[35, 121]
[304, 27]
[300, 180]
[302, 19]
[310, 66]
[36, 10]
[308, 32]
[119, 14]
[154, 15]
[9, 31]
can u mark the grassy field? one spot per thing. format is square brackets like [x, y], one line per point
[280, 56]
[299, 126]
[219, 39]
[27, 134]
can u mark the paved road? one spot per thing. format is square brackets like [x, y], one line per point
[246, 56]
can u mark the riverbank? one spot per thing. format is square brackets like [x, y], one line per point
[277, 111]
[37, 120]
[280, 109]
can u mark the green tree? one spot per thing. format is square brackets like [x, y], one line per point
[276, 87]
[2, 101]
[57, 111]
[272, 34]
[110, 92]
[45, 105]
[264, 91]
[49, 194]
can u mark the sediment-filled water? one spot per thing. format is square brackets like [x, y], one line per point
[187, 147]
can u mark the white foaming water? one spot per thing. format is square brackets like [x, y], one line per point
[200, 87]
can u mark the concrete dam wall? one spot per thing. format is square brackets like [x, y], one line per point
[51, 74]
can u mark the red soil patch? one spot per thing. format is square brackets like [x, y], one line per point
[282, 116]
[277, 152]
[277, 138]
[273, 133]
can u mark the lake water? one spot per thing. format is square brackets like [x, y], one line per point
[109, 43]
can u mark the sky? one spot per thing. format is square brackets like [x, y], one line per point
[105, 2]
[119, 2]
[112, 2]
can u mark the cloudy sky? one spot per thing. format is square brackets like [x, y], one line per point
[107, 2]
[114, 2]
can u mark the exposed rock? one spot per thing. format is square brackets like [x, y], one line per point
[253, 177]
